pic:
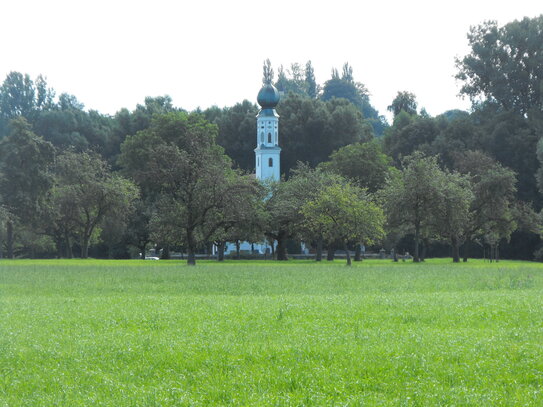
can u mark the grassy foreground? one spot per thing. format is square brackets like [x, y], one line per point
[136, 333]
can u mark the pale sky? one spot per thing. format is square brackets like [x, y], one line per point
[112, 54]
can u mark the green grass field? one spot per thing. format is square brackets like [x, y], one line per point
[136, 333]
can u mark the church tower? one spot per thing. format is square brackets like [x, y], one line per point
[267, 151]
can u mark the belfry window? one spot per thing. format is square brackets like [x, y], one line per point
[269, 138]
[270, 162]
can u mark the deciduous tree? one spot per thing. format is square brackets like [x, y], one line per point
[25, 160]
[344, 213]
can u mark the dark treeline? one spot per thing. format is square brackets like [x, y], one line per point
[79, 183]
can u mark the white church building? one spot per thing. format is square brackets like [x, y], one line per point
[267, 154]
[267, 151]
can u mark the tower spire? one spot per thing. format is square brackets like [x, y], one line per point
[267, 151]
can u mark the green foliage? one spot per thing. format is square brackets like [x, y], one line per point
[410, 196]
[177, 163]
[494, 186]
[451, 215]
[310, 130]
[409, 134]
[267, 76]
[237, 132]
[85, 195]
[343, 213]
[362, 163]
[404, 101]
[505, 64]
[25, 159]
[298, 80]
[345, 87]
[17, 96]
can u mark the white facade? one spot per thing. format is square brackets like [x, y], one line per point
[267, 151]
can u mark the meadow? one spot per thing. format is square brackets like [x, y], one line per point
[142, 333]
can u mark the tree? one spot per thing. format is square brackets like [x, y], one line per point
[178, 162]
[355, 92]
[492, 211]
[362, 163]
[85, 194]
[310, 130]
[127, 123]
[408, 134]
[404, 101]
[410, 196]
[455, 136]
[346, 214]
[512, 141]
[295, 82]
[241, 218]
[452, 212]
[20, 96]
[237, 132]
[17, 96]
[25, 160]
[267, 75]
[285, 219]
[505, 64]
[311, 85]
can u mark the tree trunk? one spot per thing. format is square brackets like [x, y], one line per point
[331, 253]
[1, 247]
[142, 248]
[166, 252]
[191, 248]
[69, 248]
[220, 250]
[394, 255]
[318, 254]
[425, 245]
[455, 249]
[9, 238]
[58, 246]
[416, 257]
[465, 246]
[282, 248]
[237, 249]
[85, 247]
[497, 252]
[209, 249]
[358, 252]
[348, 254]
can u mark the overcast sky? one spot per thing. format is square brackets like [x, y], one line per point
[111, 54]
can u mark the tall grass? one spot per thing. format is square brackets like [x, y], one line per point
[126, 333]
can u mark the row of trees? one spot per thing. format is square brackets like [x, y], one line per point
[179, 188]
[73, 180]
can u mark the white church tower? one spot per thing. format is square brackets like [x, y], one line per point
[267, 151]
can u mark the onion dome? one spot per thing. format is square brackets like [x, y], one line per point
[268, 97]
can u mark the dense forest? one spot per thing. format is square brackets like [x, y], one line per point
[75, 182]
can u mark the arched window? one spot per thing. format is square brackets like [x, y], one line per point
[269, 138]
[270, 162]
[262, 138]
[258, 162]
